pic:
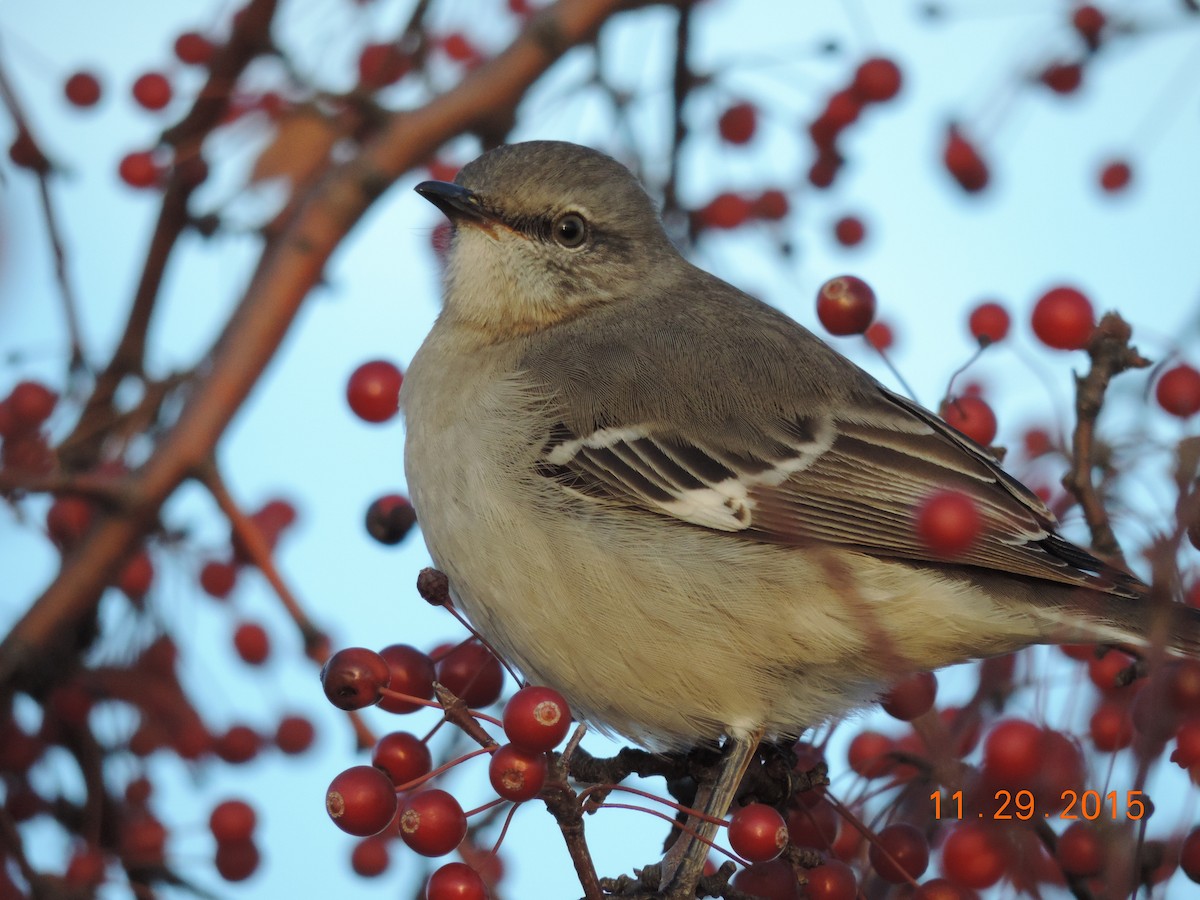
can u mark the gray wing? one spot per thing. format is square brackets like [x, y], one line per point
[852, 477]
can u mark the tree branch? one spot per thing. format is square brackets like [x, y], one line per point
[289, 268]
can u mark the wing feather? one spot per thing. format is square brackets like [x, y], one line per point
[839, 479]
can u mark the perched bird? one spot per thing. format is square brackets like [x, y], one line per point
[680, 508]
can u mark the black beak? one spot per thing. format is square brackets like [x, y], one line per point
[456, 201]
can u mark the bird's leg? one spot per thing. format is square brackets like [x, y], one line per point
[684, 862]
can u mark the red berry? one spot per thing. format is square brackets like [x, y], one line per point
[67, 519]
[737, 124]
[832, 880]
[880, 336]
[252, 643]
[142, 840]
[1115, 176]
[152, 91]
[517, 774]
[455, 881]
[294, 735]
[842, 109]
[412, 673]
[1080, 851]
[25, 153]
[912, 697]
[948, 522]
[537, 718]
[1189, 855]
[757, 832]
[361, 801]
[193, 48]
[233, 820]
[989, 322]
[237, 860]
[370, 856]
[373, 391]
[1185, 686]
[390, 518]
[774, 880]
[877, 80]
[139, 169]
[724, 211]
[432, 823]
[218, 578]
[771, 206]
[460, 49]
[1104, 670]
[85, 870]
[404, 757]
[972, 416]
[963, 162]
[1178, 391]
[1187, 744]
[1062, 78]
[1063, 319]
[82, 89]
[239, 744]
[380, 65]
[974, 856]
[940, 889]
[442, 169]
[1089, 22]
[352, 678]
[30, 404]
[1013, 752]
[813, 826]
[824, 170]
[136, 576]
[845, 305]
[849, 231]
[902, 853]
[471, 672]
[869, 754]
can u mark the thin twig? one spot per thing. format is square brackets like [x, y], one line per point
[61, 273]
[1111, 354]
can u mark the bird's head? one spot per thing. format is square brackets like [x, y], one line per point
[543, 231]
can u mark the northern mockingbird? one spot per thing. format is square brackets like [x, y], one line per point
[680, 508]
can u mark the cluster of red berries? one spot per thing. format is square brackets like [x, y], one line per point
[730, 210]
[392, 794]
[133, 834]
[153, 92]
[876, 80]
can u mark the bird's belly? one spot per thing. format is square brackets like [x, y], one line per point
[618, 618]
[664, 632]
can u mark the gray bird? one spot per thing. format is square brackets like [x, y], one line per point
[683, 510]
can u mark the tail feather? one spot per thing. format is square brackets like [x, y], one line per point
[1145, 624]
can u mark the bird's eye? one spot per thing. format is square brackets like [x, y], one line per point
[570, 230]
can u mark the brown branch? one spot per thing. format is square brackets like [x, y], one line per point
[249, 39]
[1111, 354]
[44, 170]
[563, 803]
[456, 712]
[286, 273]
[682, 82]
[249, 536]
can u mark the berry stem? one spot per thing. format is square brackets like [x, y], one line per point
[444, 767]
[491, 804]
[678, 807]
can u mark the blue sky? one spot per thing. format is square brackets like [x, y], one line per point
[931, 254]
